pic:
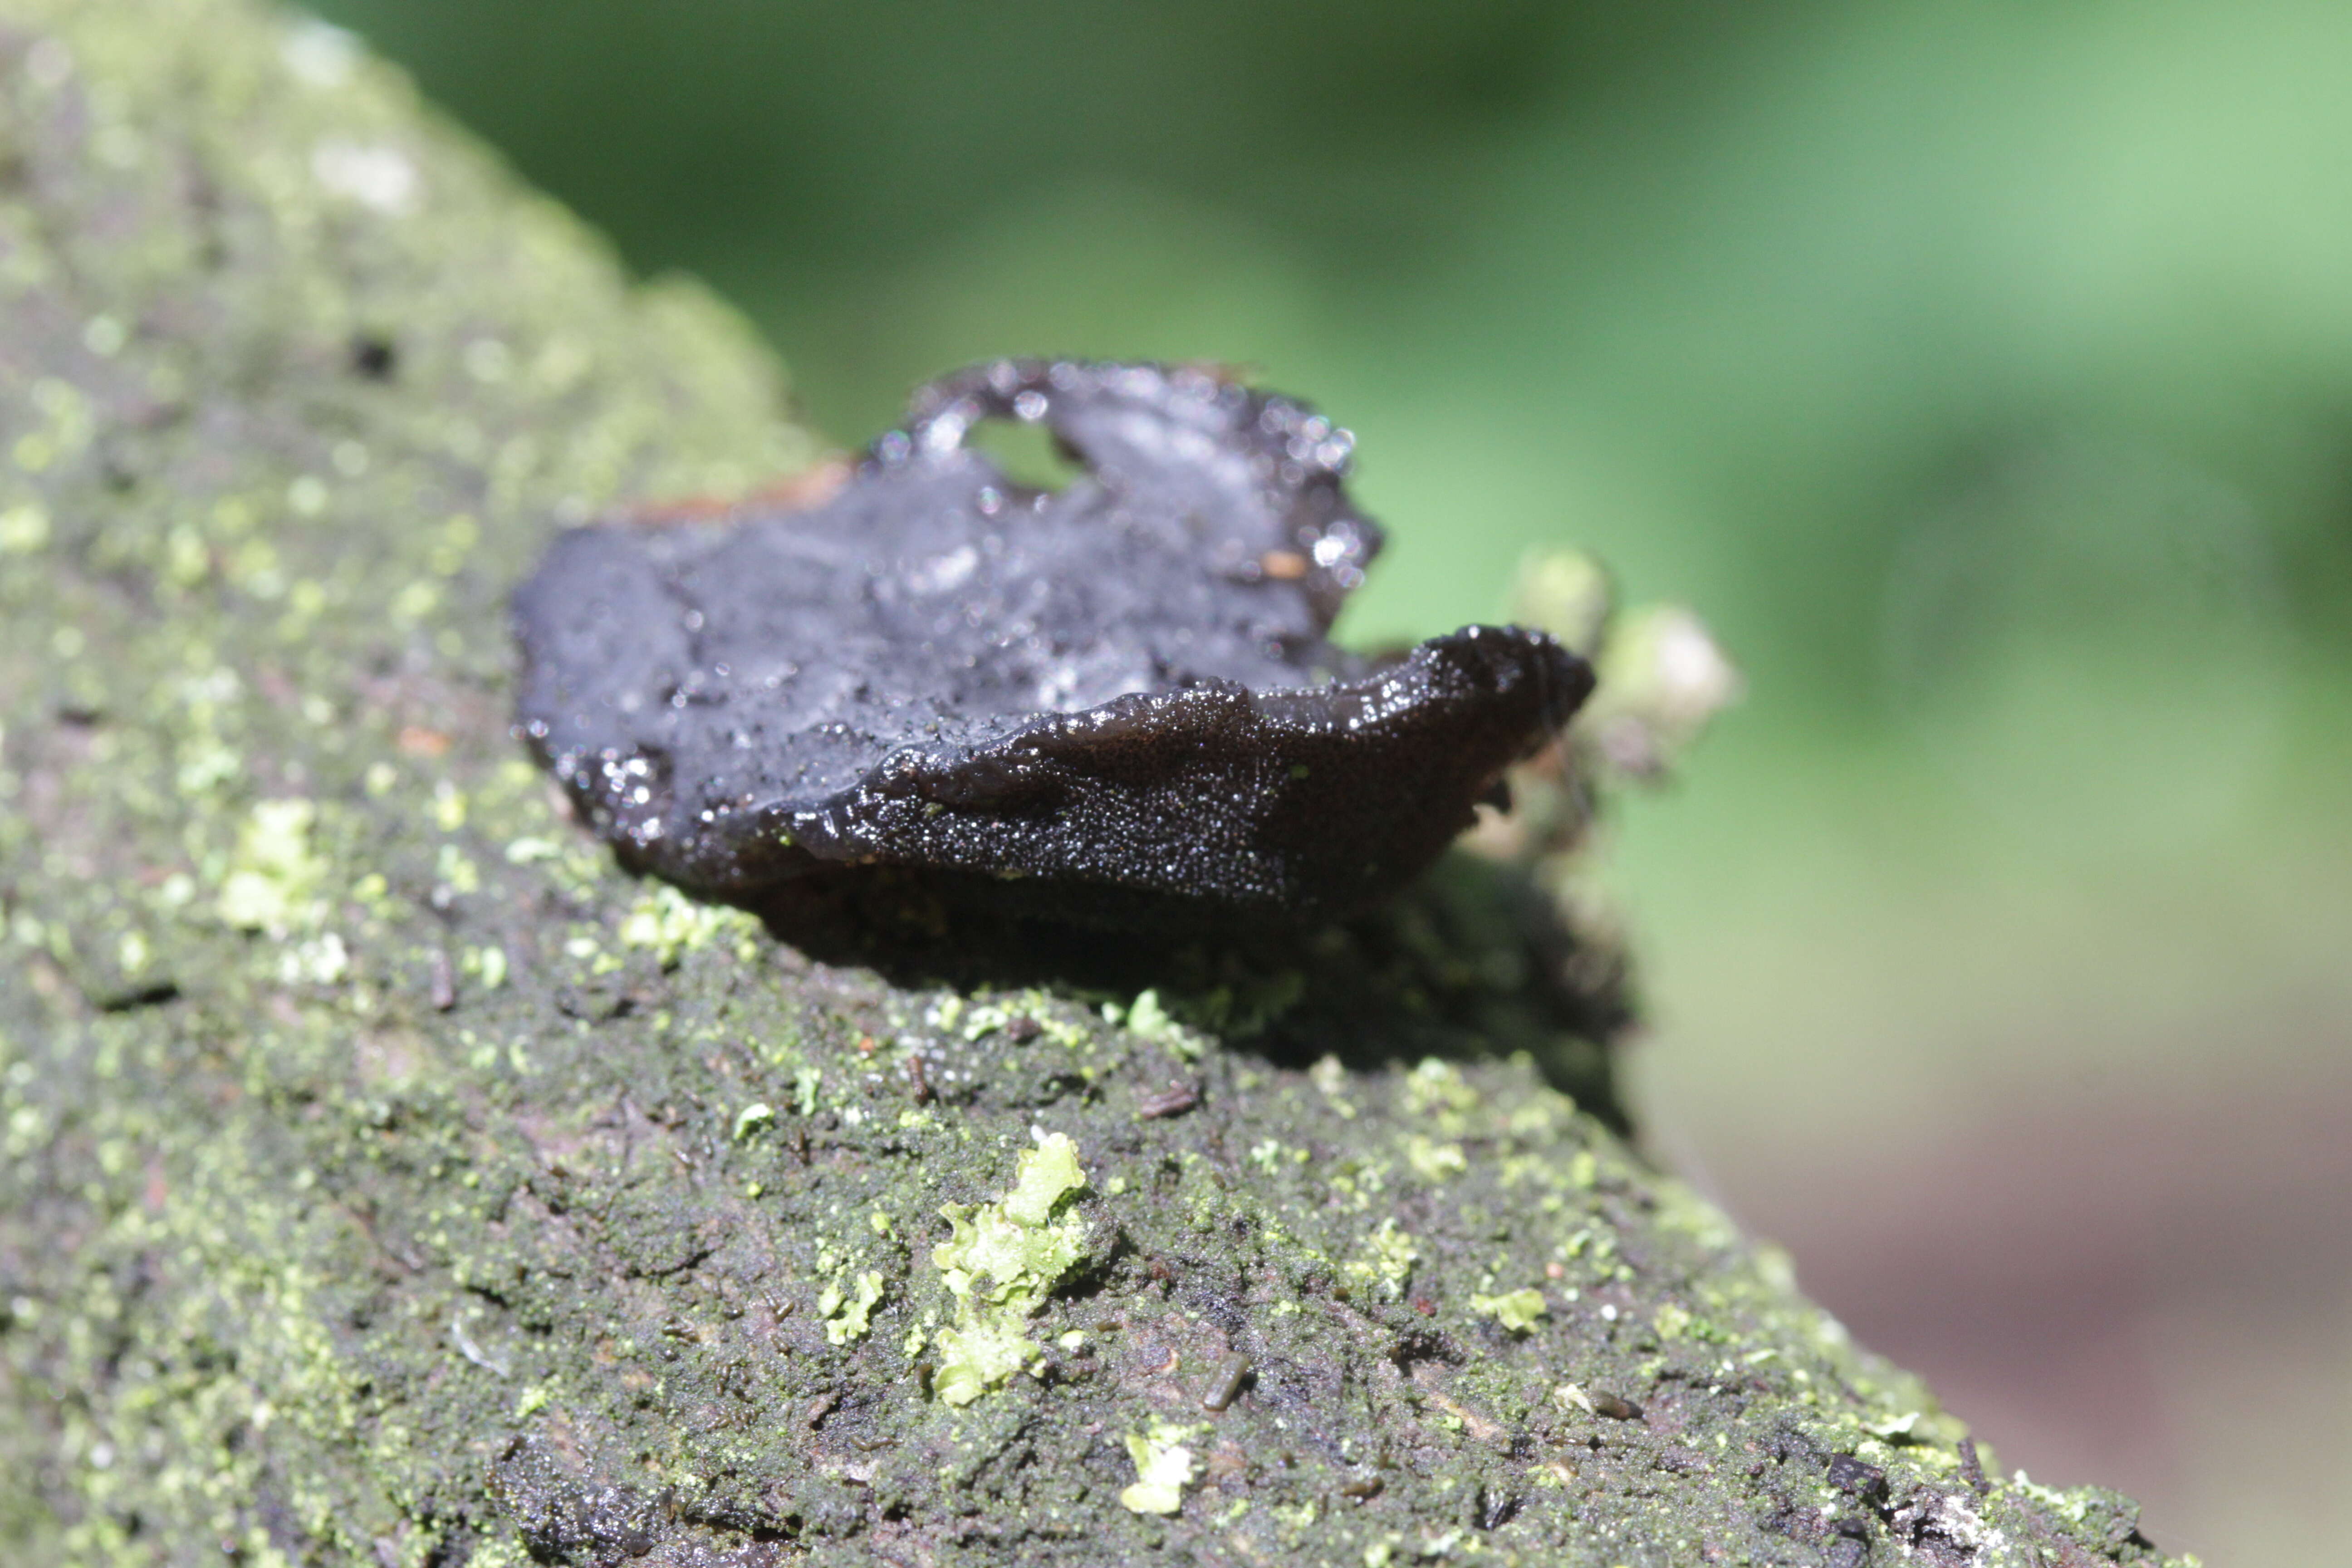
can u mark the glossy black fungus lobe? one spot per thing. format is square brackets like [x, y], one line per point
[1113, 702]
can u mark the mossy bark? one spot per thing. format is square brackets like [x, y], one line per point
[390, 1179]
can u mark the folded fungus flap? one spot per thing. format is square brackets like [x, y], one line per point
[1115, 699]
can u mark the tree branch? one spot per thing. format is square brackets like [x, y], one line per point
[390, 1179]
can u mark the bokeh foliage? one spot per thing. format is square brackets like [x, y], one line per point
[1745, 296]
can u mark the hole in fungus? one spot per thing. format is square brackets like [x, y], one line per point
[1027, 454]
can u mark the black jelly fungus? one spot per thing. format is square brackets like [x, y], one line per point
[1114, 701]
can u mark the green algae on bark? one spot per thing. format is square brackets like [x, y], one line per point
[386, 1178]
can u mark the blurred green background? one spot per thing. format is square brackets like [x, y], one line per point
[1983, 373]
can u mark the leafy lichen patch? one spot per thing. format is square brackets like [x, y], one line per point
[1515, 1309]
[849, 1314]
[1163, 1469]
[1385, 1258]
[1001, 1259]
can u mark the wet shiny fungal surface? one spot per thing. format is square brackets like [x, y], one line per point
[1113, 702]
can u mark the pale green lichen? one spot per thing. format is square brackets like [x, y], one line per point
[488, 965]
[1163, 1469]
[274, 878]
[849, 1314]
[983, 1016]
[1048, 1173]
[1148, 1017]
[1435, 1088]
[672, 925]
[1516, 1311]
[1330, 1076]
[320, 960]
[1000, 1263]
[1435, 1162]
[1385, 1259]
[1901, 1426]
[980, 1353]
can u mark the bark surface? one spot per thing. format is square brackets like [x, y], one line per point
[387, 1178]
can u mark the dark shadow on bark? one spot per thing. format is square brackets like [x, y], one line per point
[1471, 961]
